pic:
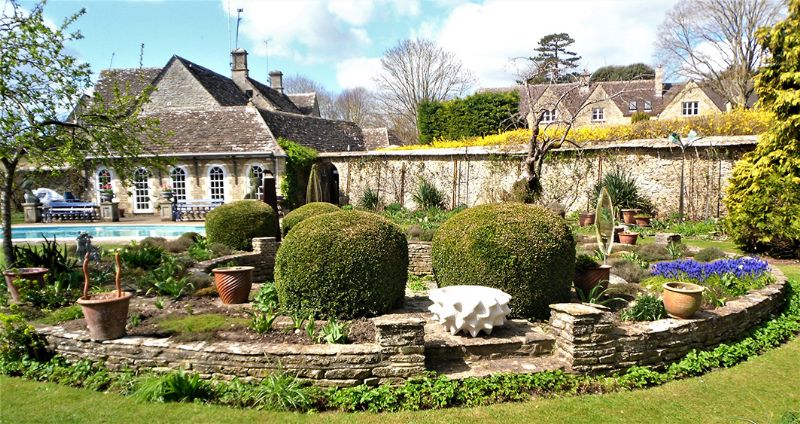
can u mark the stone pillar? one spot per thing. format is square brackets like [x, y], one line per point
[402, 341]
[165, 210]
[109, 212]
[33, 213]
[584, 336]
[266, 247]
[419, 258]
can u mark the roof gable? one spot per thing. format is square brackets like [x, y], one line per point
[323, 135]
[222, 88]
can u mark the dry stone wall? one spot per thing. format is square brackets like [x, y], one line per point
[396, 354]
[262, 259]
[472, 176]
[419, 258]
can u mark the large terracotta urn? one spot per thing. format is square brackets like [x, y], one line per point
[105, 313]
[682, 300]
[628, 216]
[233, 283]
[588, 279]
[31, 274]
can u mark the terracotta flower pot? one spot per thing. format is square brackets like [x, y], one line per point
[628, 215]
[233, 283]
[31, 274]
[586, 219]
[106, 314]
[643, 221]
[628, 238]
[587, 279]
[682, 300]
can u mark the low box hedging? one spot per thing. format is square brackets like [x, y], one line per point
[343, 264]
[306, 211]
[523, 250]
[235, 224]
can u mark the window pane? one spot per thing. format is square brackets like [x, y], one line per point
[216, 178]
[178, 179]
[141, 190]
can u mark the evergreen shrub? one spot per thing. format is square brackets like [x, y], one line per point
[306, 211]
[235, 224]
[523, 250]
[342, 265]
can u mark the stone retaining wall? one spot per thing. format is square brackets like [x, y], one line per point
[396, 354]
[419, 258]
[589, 340]
[262, 258]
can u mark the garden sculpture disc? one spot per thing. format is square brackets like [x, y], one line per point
[469, 308]
[604, 221]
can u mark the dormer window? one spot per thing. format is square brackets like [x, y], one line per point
[690, 108]
[648, 106]
[548, 116]
[598, 114]
[632, 105]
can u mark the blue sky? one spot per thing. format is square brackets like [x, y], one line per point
[339, 43]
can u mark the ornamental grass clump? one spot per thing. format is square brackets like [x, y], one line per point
[523, 250]
[343, 265]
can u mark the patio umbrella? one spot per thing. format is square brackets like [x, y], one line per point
[314, 189]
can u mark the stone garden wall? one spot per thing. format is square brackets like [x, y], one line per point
[419, 258]
[396, 354]
[262, 258]
[478, 175]
[588, 339]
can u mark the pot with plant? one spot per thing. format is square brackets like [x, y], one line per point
[628, 215]
[586, 218]
[628, 237]
[166, 193]
[642, 219]
[589, 274]
[105, 313]
[233, 283]
[682, 300]
[31, 274]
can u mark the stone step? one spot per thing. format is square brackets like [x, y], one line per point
[457, 370]
[518, 338]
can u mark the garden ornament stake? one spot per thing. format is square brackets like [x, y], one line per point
[683, 144]
[604, 224]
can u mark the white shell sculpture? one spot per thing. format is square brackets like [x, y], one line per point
[469, 308]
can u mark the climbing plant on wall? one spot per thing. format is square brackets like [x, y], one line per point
[298, 166]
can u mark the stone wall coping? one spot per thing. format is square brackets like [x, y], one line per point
[711, 141]
[576, 309]
[238, 348]
[398, 320]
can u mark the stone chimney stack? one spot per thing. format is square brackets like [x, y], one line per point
[659, 81]
[276, 80]
[239, 72]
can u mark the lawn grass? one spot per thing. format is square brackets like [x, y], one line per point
[760, 390]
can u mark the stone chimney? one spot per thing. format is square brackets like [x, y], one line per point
[659, 81]
[583, 80]
[276, 80]
[239, 72]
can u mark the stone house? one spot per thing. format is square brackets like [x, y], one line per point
[614, 102]
[222, 131]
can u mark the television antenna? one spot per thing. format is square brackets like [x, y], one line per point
[238, 20]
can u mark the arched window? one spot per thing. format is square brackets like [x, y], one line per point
[255, 179]
[216, 183]
[103, 179]
[178, 181]
[141, 191]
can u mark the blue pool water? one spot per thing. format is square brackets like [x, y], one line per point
[130, 232]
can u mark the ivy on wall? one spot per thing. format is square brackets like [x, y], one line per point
[298, 165]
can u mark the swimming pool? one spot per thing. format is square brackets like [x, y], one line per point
[127, 232]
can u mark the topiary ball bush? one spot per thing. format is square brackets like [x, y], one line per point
[306, 211]
[343, 264]
[235, 224]
[524, 250]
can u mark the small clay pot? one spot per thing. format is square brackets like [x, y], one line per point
[682, 300]
[31, 274]
[586, 219]
[628, 238]
[588, 279]
[106, 314]
[643, 221]
[233, 283]
[628, 216]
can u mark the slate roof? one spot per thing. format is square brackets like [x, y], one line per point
[280, 100]
[230, 130]
[222, 88]
[324, 135]
[135, 80]
[378, 138]
[304, 101]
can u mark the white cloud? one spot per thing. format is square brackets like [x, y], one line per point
[358, 72]
[485, 36]
[304, 31]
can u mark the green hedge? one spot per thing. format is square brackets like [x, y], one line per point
[524, 250]
[298, 165]
[235, 224]
[306, 211]
[476, 115]
[342, 264]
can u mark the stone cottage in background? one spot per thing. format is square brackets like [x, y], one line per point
[223, 131]
[615, 102]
